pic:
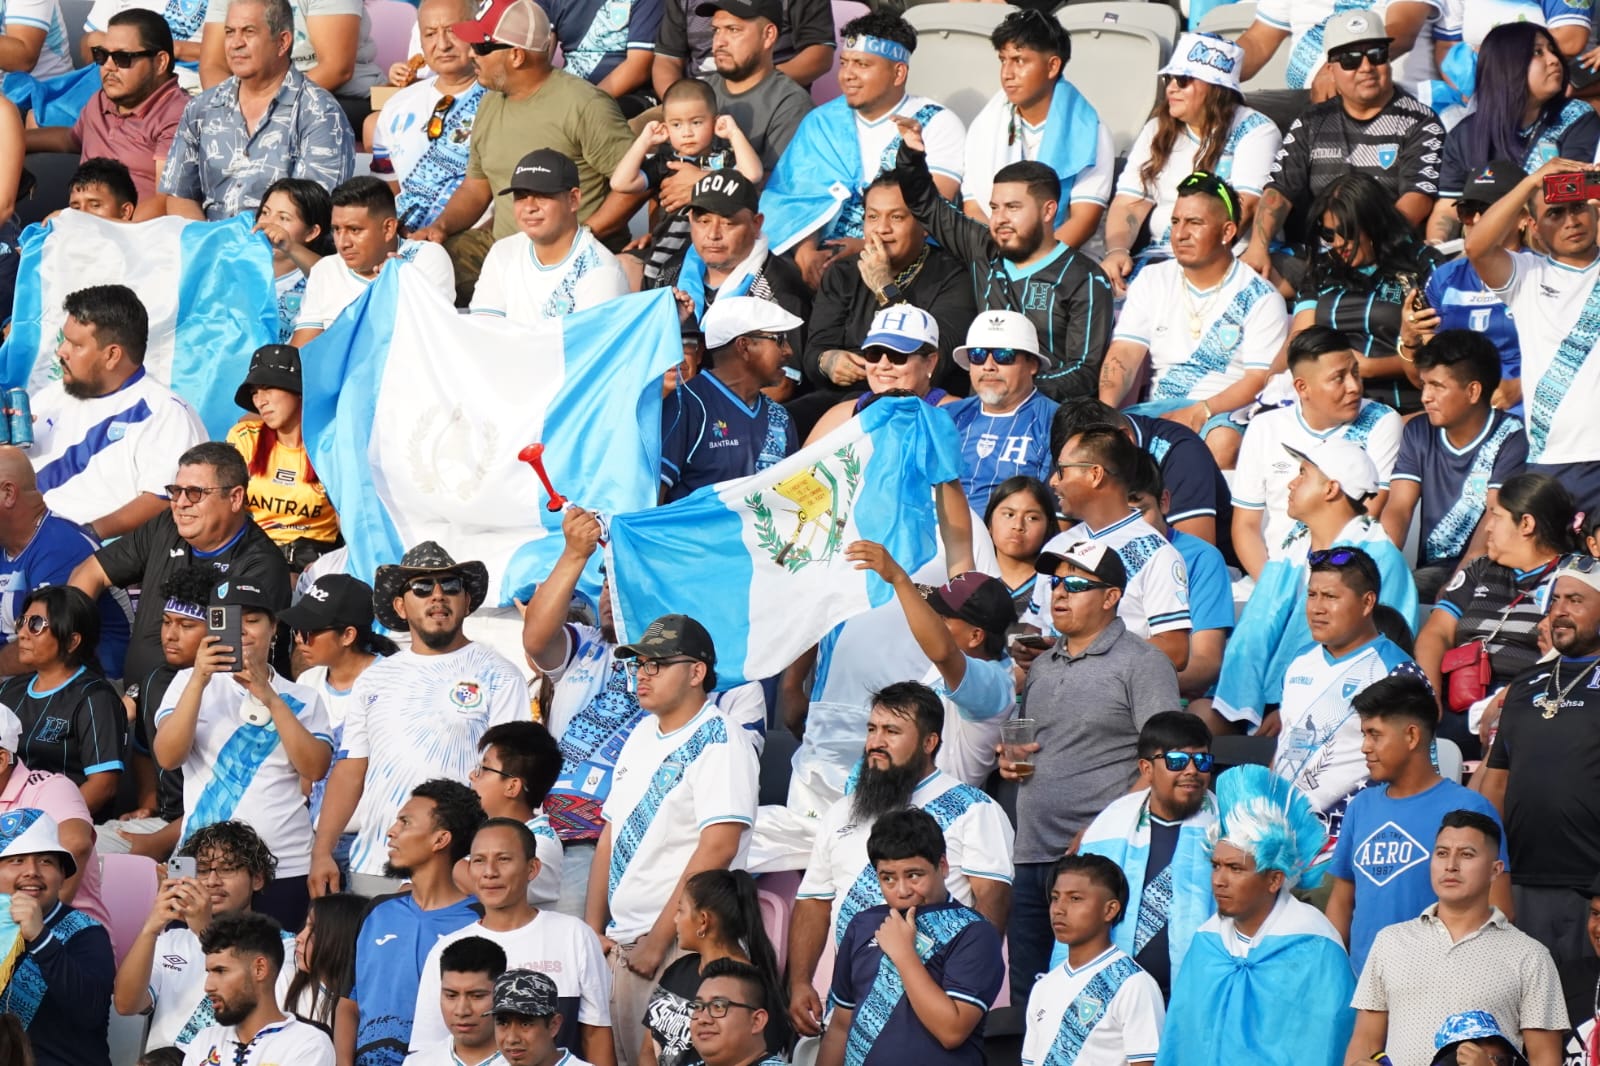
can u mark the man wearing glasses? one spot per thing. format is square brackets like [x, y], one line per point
[729, 1018]
[683, 800]
[1005, 423]
[415, 715]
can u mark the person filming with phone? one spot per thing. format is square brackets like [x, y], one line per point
[246, 739]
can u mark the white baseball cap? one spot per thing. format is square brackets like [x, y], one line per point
[732, 317]
[1001, 329]
[10, 729]
[1345, 462]
[902, 328]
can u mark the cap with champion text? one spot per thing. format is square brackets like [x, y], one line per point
[246, 593]
[1491, 182]
[669, 635]
[1090, 556]
[519, 23]
[544, 171]
[334, 601]
[977, 598]
[1343, 461]
[725, 193]
[10, 729]
[1353, 27]
[1001, 329]
[732, 317]
[525, 992]
[771, 10]
[902, 328]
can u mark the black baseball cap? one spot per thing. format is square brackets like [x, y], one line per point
[1090, 556]
[272, 366]
[334, 601]
[1489, 183]
[544, 171]
[248, 594]
[669, 635]
[976, 598]
[725, 193]
[744, 9]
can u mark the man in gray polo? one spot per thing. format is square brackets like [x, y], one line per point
[1090, 695]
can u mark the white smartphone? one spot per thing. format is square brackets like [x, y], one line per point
[181, 866]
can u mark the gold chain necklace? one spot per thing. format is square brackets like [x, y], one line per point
[1552, 704]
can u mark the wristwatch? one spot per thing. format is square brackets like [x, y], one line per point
[891, 294]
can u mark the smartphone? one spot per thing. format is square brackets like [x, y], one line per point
[1579, 76]
[180, 866]
[1573, 187]
[224, 622]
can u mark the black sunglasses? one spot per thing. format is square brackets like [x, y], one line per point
[123, 60]
[1182, 81]
[422, 587]
[486, 48]
[1331, 557]
[877, 355]
[1378, 54]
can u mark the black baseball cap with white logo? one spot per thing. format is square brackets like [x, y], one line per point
[744, 9]
[544, 171]
[725, 193]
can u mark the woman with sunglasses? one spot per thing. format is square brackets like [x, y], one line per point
[1365, 260]
[1495, 601]
[296, 217]
[901, 352]
[1021, 517]
[73, 721]
[1199, 123]
[1523, 115]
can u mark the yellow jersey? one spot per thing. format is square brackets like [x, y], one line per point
[283, 501]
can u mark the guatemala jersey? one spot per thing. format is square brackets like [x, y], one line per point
[182, 1010]
[288, 1041]
[92, 456]
[1306, 22]
[395, 939]
[1157, 597]
[974, 713]
[596, 35]
[1556, 310]
[667, 788]
[878, 141]
[428, 169]
[516, 284]
[1471, 20]
[291, 292]
[1107, 1013]
[977, 838]
[1261, 480]
[1455, 482]
[332, 286]
[709, 435]
[1319, 748]
[55, 548]
[55, 54]
[238, 769]
[995, 447]
[1201, 342]
[961, 952]
[415, 717]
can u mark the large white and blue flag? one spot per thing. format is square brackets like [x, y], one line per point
[759, 561]
[414, 415]
[206, 286]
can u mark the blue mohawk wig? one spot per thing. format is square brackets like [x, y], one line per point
[1269, 819]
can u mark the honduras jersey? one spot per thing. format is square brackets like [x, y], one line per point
[393, 944]
[1319, 748]
[995, 447]
[415, 717]
[48, 559]
[709, 435]
[1201, 342]
[1157, 597]
[1456, 482]
[977, 837]
[1106, 1013]
[1556, 309]
[1465, 302]
[237, 767]
[92, 456]
[181, 1009]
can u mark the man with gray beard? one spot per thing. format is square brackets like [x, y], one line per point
[1005, 423]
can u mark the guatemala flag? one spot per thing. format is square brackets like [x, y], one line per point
[759, 561]
[414, 415]
[207, 287]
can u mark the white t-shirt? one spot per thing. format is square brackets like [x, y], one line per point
[1560, 370]
[416, 717]
[559, 946]
[178, 987]
[1127, 1028]
[667, 788]
[289, 1041]
[1261, 480]
[943, 134]
[990, 145]
[515, 284]
[332, 286]
[977, 837]
[1157, 597]
[1306, 22]
[55, 55]
[91, 457]
[973, 714]
[1245, 163]
[1241, 324]
[237, 769]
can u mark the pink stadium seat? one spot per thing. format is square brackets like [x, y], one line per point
[392, 23]
[775, 893]
[128, 889]
[826, 87]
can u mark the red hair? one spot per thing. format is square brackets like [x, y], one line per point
[266, 440]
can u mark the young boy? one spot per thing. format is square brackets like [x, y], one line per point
[517, 766]
[916, 976]
[103, 187]
[699, 137]
[1098, 1008]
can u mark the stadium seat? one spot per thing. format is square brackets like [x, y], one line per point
[392, 22]
[1159, 19]
[74, 13]
[1115, 67]
[826, 87]
[1449, 756]
[775, 893]
[955, 63]
[128, 889]
[51, 172]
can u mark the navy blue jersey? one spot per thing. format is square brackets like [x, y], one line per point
[1455, 484]
[56, 548]
[1189, 473]
[709, 435]
[596, 35]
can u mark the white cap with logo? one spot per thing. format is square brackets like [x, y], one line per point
[1343, 461]
[731, 317]
[1001, 329]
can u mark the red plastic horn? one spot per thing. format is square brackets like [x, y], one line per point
[533, 455]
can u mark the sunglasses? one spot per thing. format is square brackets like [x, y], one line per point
[436, 120]
[1378, 55]
[1328, 235]
[1331, 557]
[306, 636]
[422, 587]
[123, 60]
[1178, 761]
[1001, 356]
[1073, 583]
[32, 623]
[189, 493]
[878, 355]
[1466, 210]
[1182, 81]
[1579, 564]
[486, 48]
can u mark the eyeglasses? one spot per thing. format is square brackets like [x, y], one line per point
[484, 48]
[1377, 55]
[436, 120]
[1057, 469]
[123, 60]
[32, 623]
[1001, 356]
[1182, 81]
[219, 870]
[878, 355]
[1201, 181]
[422, 587]
[481, 769]
[306, 636]
[1331, 557]
[652, 667]
[717, 1008]
[190, 493]
[1073, 584]
[1178, 761]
